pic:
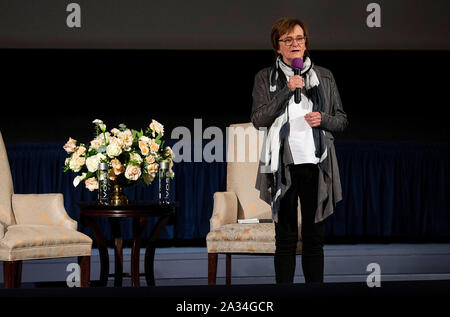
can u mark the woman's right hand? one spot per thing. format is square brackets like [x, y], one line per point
[295, 82]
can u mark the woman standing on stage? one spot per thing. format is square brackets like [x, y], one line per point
[299, 159]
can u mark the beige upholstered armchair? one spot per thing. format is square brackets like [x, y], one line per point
[240, 201]
[36, 226]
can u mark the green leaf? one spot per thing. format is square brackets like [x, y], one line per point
[134, 162]
[101, 149]
[122, 127]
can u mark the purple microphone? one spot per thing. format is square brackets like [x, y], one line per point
[297, 66]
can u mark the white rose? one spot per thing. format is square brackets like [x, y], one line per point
[136, 157]
[144, 139]
[101, 156]
[92, 163]
[113, 149]
[78, 179]
[74, 166]
[76, 163]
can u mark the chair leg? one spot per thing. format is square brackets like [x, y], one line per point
[228, 269]
[19, 273]
[12, 274]
[212, 268]
[85, 270]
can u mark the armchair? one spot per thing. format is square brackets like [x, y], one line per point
[36, 226]
[240, 201]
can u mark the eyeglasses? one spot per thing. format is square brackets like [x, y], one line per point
[289, 41]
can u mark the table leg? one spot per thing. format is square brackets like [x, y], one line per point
[150, 250]
[149, 265]
[118, 252]
[138, 226]
[102, 248]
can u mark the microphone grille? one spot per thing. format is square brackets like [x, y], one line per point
[297, 63]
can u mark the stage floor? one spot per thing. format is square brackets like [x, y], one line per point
[412, 277]
[189, 266]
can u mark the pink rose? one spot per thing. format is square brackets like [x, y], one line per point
[70, 145]
[112, 175]
[80, 150]
[150, 159]
[91, 184]
[154, 147]
[96, 143]
[157, 127]
[117, 167]
[153, 168]
[133, 172]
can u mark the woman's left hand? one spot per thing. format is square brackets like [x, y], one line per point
[313, 119]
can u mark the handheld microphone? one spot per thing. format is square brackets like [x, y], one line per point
[297, 66]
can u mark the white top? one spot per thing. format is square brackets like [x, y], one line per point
[300, 137]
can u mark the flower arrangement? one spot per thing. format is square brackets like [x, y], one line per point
[133, 156]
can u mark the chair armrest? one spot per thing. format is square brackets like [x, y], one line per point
[225, 209]
[42, 209]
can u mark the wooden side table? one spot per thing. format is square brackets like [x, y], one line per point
[138, 211]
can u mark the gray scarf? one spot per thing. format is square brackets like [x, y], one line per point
[279, 130]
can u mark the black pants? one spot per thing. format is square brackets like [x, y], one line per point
[304, 185]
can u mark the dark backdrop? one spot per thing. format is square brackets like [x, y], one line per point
[393, 188]
[48, 95]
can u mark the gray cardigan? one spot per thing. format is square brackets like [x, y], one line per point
[334, 119]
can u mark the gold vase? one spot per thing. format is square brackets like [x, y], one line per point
[118, 197]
